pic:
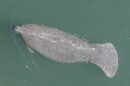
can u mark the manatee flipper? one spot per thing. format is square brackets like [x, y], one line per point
[30, 49]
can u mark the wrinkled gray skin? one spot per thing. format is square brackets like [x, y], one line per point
[63, 47]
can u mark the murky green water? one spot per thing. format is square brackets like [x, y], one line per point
[95, 20]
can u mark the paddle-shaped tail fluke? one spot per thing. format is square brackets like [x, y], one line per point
[105, 57]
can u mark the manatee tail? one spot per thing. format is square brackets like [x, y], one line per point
[105, 57]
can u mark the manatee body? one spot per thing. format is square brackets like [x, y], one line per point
[63, 47]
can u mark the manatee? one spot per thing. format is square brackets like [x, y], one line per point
[64, 47]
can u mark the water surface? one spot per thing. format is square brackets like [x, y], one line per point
[98, 21]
